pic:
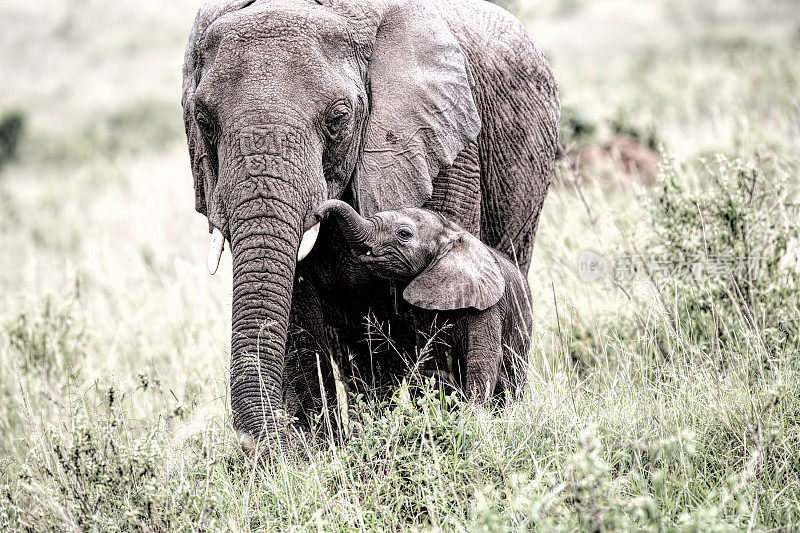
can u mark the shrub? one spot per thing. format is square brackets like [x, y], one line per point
[12, 126]
[622, 124]
[736, 235]
[577, 130]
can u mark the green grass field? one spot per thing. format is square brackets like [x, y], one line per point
[666, 400]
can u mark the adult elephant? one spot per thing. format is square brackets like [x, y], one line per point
[447, 104]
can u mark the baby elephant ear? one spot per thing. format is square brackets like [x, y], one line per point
[466, 275]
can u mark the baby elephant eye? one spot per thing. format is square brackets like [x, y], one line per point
[404, 234]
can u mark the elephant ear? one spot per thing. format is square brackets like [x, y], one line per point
[198, 153]
[466, 275]
[422, 110]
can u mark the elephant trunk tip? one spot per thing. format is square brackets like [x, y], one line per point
[356, 230]
[325, 208]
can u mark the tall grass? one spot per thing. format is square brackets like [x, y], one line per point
[662, 399]
[663, 419]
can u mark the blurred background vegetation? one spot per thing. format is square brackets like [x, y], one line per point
[663, 402]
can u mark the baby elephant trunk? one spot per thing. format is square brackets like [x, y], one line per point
[358, 231]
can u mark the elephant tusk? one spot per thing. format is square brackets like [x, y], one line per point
[215, 251]
[307, 242]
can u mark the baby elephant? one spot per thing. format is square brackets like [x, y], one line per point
[445, 269]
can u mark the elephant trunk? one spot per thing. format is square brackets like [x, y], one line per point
[264, 259]
[356, 230]
[267, 214]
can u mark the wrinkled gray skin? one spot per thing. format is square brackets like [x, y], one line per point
[446, 104]
[440, 267]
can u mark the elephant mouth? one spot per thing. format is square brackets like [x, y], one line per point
[366, 254]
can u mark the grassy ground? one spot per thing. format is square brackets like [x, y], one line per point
[667, 401]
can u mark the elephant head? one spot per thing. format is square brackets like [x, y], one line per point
[445, 267]
[287, 103]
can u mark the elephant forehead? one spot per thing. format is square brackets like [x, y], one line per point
[285, 23]
[412, 216]
[421, 217]
[303, 51]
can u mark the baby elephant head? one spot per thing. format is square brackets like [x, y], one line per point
[445, 267]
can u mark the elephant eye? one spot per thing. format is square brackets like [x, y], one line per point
[337, 119]
[205, 125]
[404, 233]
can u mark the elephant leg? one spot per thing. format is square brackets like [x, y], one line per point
[483, 352]
[516, 354]
[309, 355]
